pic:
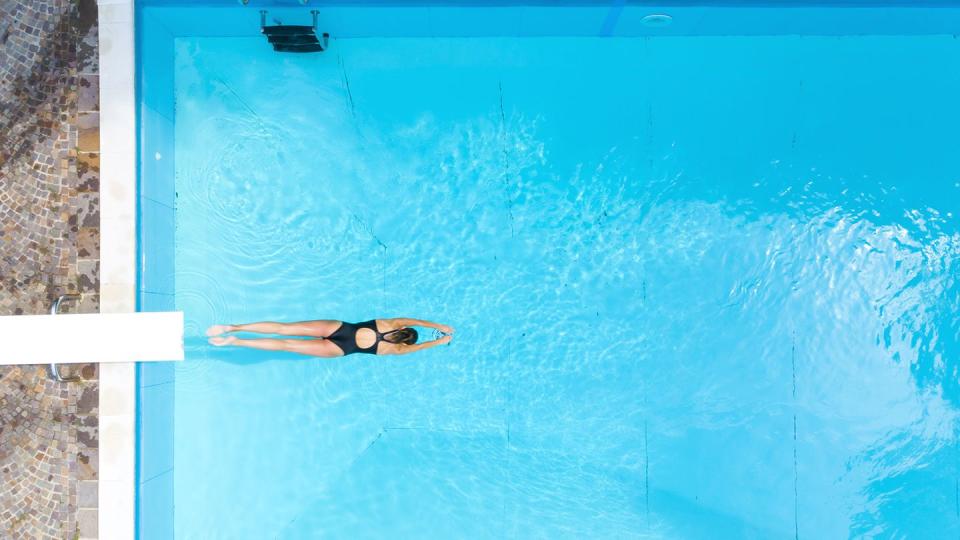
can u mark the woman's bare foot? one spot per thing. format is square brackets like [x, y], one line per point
[218, 329]
[221, 341]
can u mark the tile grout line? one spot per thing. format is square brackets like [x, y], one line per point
[796, 492]
[158, 475]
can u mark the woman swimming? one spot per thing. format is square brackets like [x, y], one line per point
[333, 338]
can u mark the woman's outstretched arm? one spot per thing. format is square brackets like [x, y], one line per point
[403, 321]
[407, 349]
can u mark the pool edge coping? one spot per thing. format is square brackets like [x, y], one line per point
[117, 407]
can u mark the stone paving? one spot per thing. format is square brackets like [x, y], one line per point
[49, 245]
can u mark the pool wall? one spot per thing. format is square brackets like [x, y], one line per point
[159, 26]
[155, 288]
[613, 19]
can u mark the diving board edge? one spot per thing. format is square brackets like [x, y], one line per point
[93, 337]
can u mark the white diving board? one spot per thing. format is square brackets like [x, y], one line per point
[92, 338]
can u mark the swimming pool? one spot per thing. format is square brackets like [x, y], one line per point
[703, 275]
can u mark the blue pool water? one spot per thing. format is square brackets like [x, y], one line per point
[704, 287]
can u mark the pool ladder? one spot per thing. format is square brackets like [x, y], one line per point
[294, 38]
[54, 369]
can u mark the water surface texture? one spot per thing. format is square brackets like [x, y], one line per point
[703, 287]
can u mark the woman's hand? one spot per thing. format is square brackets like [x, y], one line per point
[444, 340]
[445, 329]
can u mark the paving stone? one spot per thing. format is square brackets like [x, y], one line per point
[48, 193]
[88, 275]
[87, 494]
[89, 134]
[88, 303]
[88, 464]
[88, 56]
[87, 522]
[89, 95]
[88, 171]
[88, 401]
[87, 208]
[88, 243]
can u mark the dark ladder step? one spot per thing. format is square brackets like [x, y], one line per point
[286, 30]
[292, 40]
[305, 48]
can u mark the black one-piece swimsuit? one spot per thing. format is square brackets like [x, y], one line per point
[345, 337]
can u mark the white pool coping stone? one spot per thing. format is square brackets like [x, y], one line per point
[118, 275]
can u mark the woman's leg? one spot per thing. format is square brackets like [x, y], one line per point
[309, 347]
[320, 328]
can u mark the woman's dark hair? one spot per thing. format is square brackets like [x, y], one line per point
[407, 336]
